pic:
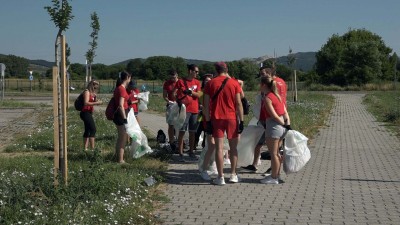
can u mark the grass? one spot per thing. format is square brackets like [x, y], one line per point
[100, 191]
[16, 104]
[385, 106]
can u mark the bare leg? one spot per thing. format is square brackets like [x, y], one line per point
[180, 141]
[171, 135]
[91, 140]
[210, 151]
[86, 143]
[233, 153]
[257, 152]
[219, 155]
[121, 141]
[273, 147]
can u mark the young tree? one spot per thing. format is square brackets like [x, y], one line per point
[90, 54]
[61, 14]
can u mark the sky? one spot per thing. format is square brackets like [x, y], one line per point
[213, 30]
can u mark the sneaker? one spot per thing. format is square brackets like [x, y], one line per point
[205, 175]
[250, 168]
[267, 173]
[234, 178]
[181, 159]
[227, 162]
[280, 180]
[193, 156]
[269, 180]
[219, 181]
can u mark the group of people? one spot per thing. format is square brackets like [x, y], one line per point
[126, 98]
[220, 97]
[218, 100]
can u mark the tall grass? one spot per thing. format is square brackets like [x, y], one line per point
[385, 106]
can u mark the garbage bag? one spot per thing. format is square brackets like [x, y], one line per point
[247, 142]
[296, 152]
[201, 159]
[139, 145]
[144, 100]
[176, 115]
[257, 106]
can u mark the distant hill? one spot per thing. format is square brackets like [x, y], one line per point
[304, 60]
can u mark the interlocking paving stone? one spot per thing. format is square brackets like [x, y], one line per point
[353, 177]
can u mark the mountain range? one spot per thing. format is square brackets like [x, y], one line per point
[304, 61]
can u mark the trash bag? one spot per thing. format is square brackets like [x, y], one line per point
[201, 159]
[296, 152]
[176, 116]
[247, 142]
[139, 145]
[144, 100]
[257, 106]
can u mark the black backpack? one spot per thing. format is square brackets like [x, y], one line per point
[79, 102]
[246, 106]
[161, 137]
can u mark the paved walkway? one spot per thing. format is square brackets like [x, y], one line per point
[353, 177]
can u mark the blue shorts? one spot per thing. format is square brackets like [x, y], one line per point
[191, 122]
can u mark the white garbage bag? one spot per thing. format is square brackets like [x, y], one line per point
[296, 152]
[247, 142]
[144, 100]
[201, 159]
[176, 116]
[257, 106]
[139, 145]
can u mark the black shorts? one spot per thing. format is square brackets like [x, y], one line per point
[118, 119]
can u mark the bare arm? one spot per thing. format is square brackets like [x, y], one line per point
[239, 106]
[86, 99]
[121, 107]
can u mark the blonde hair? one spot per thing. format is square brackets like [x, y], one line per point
[271, 85]
[93, 86]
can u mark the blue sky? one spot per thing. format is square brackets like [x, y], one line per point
[196, 29]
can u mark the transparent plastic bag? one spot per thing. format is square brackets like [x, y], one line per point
[201, 159]
[296, 152]
[144, 100]
[257, 106]
[247, 142]
[176, 115]
[139, 145]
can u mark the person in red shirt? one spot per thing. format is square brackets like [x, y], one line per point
[120, 118]
[133, 100]
[222, 105]
[89, 101]
[276, 123]
[169, 97]
[187, 91]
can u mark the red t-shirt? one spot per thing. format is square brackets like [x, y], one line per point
[278, 106]
[89, 108]
[224, 105]
[282, 88]
[133, 96]
[119, 92]
[191, 102]
[169, 86]
[263, 110]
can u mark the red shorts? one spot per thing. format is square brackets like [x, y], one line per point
[222, 126]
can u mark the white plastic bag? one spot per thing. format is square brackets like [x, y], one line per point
[139, 145]
[257, 106]
[201, 159]
[144, 100]
[296, 152]
[176, 116]
[247, 142]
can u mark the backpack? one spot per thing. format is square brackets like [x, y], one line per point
[111, 109]
[246, 106]
[79, 102]
[161, 137]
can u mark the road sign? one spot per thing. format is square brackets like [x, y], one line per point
[2, 69]
[30, 77]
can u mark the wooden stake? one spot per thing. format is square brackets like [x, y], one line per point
[56, 126]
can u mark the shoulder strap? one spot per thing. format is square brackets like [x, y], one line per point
[220, 88]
